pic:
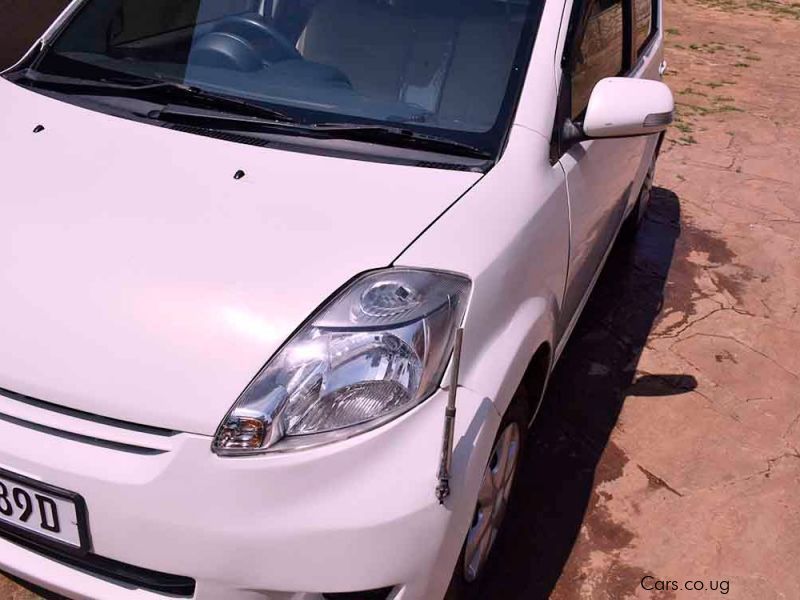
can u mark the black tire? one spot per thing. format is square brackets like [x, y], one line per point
[631, 225]
[462, 588]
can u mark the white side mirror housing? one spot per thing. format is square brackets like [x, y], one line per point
[624, 107]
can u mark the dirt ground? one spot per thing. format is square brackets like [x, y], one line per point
[667, 448]
[21, 22]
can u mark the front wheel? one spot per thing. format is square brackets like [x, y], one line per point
[492, 503]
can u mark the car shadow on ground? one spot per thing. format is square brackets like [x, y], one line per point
[595, 373]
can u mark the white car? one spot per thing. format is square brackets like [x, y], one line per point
[282, 281]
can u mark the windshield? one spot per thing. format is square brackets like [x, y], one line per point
[452, 68]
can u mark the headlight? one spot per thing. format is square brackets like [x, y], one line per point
[376, 350]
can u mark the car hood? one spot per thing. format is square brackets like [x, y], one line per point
[139, 280]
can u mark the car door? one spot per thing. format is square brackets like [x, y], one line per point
[603, 176]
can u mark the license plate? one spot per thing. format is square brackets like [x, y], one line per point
[40, 511]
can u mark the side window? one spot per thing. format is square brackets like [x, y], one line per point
[601, 52]
[643, 24]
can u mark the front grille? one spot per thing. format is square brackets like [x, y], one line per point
[82, 426]
[79, 414]
[113, 570]
[85, 439]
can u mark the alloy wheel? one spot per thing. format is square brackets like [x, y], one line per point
[498, 479]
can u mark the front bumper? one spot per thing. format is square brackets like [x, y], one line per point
[355, 515]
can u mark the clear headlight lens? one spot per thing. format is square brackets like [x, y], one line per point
[376, 350]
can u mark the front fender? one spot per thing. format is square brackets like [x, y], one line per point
[510, 235]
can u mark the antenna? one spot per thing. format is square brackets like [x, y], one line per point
[446, 458]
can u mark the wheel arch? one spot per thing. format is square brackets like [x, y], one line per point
[534, 380]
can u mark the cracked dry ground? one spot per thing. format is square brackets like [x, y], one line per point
[668, 445]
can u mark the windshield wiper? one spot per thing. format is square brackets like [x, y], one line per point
[157, 90]
[399, 136]
[258, 119]
[369, 133]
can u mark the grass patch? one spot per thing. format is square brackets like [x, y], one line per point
[777, 10]
[693, 92]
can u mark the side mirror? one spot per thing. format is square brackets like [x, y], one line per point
[623, 107]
